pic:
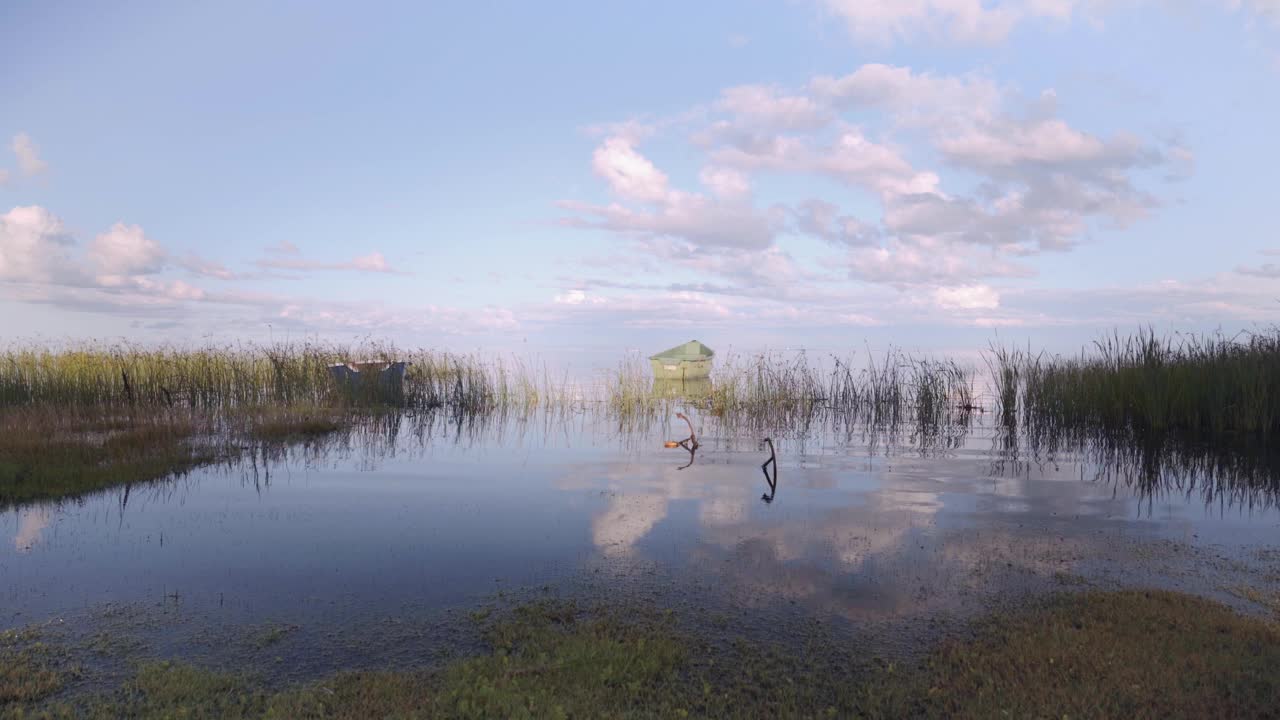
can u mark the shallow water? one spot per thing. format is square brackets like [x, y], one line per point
[863, 528]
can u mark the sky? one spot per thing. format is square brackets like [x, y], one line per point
[585, 177]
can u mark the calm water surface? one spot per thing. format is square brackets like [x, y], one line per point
[859, 528]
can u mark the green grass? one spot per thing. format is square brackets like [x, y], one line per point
[30, 669]
[1126, 654]
[1130, 654]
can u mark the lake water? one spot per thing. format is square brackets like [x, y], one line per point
[863, 529]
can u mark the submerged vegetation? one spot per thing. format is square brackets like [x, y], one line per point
[1084, 655]
[49, 454]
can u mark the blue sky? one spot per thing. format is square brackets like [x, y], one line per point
[504, 176]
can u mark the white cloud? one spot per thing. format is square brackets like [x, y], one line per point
[571, 297]
[850, 158]
[122, 272]
[987, 22]
[1039, 183]
[726, 220]
[126, 250]
[691, 217]
[630, 175]
[823, 220]
[207, 268]
[725, 182]
[772, 107]
[28, 155]
[909, 95]
[930, 261]
[967, 297]
[965, 21]
[34, 246]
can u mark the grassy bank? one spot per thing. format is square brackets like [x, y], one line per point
[1118, 654]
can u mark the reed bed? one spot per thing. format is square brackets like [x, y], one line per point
[240, 376]
[766, 389]
[1207, 387]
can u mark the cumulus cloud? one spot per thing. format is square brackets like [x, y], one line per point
[965, 21]
[202, 267]
[125, 273]
[28, 155]
[126, 250]
[967, 297]
[774, 108]
[987, 22]
[823, 220]
[849, 158]
[34, 246]
[647, 207]
[911, 96]
[929, 261]
[1032, 182]
[724, 182]
[630, 175]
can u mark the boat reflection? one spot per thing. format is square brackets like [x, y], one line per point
[693, 390]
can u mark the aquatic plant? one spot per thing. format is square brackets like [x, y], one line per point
[766, 389]
[1196, 386]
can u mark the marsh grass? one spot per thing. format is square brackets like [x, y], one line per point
[1270, 600]
[31, 669]
[241, 376]
[48, 454]
[290, 425]
[791, 391]
[770, 388]
[1135, 654]
[1139, 654]
[1198, 387]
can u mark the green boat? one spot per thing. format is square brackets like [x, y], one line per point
[690, 361]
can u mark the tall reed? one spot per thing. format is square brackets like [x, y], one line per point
[767, 389]
[1199, 386]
